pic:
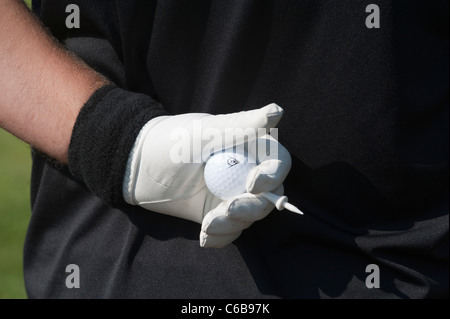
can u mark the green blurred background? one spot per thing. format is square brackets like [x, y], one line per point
[15, 168]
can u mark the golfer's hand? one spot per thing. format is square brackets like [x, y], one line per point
[165, 171]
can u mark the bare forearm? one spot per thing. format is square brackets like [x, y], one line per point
[42, 86]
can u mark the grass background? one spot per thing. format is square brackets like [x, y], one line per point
[15, 168]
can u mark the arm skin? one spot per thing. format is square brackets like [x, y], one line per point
[42, 85]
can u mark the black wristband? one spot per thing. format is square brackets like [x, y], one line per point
[103, 136]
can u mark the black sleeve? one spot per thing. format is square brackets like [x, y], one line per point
[102, 138]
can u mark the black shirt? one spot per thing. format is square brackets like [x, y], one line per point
[366, 122]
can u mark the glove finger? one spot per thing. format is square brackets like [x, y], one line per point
[219, 228]
[228, 130]
[217, 222]
[217, 241]
[251, 207]
[265, 117]
[267, 176]
[273, 168]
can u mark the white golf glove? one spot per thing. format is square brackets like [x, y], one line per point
[165, 170]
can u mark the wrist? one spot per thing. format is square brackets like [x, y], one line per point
[133, 161]
[103, 136]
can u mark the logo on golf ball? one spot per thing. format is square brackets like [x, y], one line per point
[232, 162]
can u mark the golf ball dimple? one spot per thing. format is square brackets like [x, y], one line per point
[226, 173]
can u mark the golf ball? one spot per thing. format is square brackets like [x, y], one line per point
[226, 173]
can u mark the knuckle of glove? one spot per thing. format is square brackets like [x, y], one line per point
[249, 207]
[267, 176]
[220, 224]
[212, 241]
